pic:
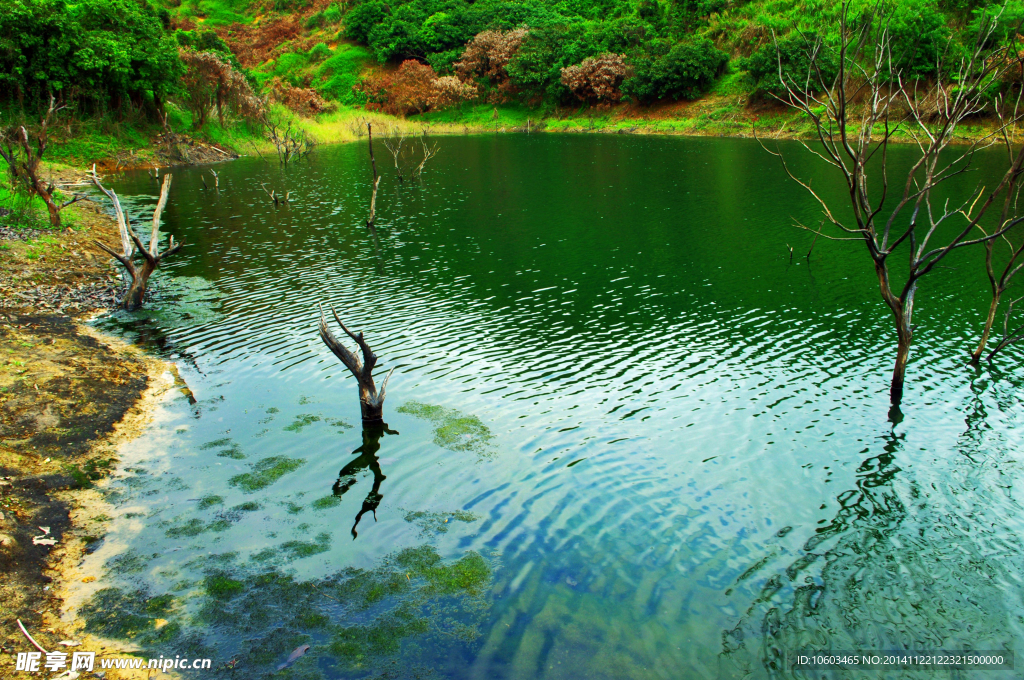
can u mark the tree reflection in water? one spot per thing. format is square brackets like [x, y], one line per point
[891, 576]
[367, 459]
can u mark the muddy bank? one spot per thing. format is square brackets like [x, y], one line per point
[68, 397]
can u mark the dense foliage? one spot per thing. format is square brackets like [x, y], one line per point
[115, 54]
[97, 53]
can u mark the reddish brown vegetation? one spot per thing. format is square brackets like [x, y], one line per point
[302, 100]
[487, 55]
[256, 44]
[413, 88]
[210, 81]
[597, 78]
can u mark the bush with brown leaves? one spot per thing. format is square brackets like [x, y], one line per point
[302, 100]
[209, 82]
[488, 53]
[450, 91]
[597, 79]
[413, 88]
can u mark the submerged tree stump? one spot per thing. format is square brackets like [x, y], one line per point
[371, 402]
[151, 257]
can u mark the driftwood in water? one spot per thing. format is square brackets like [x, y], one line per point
[371, 402]
[151, 257]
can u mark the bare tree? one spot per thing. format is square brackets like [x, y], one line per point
[288, 142]
[394, 138]
[856, 114]
[25, 171]
[151, 257]
[429, 151]
[1013, 241]
[371, 402]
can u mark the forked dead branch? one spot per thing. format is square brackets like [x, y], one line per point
[371, 402]
[131, 245]
[857, 107]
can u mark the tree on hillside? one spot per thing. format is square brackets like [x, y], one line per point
[875, 94]
[209, 82]
[487, 55]
[97, 55]
[597, 79]
[23, 153]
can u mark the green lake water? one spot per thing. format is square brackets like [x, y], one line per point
[629, 437]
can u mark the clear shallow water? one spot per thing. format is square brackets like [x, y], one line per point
[631, 438]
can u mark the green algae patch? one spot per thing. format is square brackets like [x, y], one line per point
[196, 526]
[326, 502]
[300, 549]
[222, 587]
[338, 423]
[358, 644]
[438, 522]
[453, 430]
[233, 452]
[301, 421]
[468, 574]
[361, 619]
[209, 501]
[265, 472]
[128, 562]
[131, 615]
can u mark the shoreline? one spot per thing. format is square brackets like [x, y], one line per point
[70, 396]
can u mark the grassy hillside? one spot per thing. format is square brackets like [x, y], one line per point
[120, 67]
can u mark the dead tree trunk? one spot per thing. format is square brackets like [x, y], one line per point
[151, 257]
[371, 402]
[371, 220]
[429, 151]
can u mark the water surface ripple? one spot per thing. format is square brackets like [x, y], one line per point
[668, 441]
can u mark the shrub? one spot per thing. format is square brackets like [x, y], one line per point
[487, 55]
[413, 88]
[319, 52]
[337, 75]
[597, 78]
[363, 18]
[450, 91]
[685, 72]
[763, 65]
[316, 21]
[332, 14]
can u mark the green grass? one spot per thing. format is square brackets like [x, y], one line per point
[337, 73]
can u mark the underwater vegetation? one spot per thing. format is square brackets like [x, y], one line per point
[353, 620]
[265, 472]
[453, 430]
